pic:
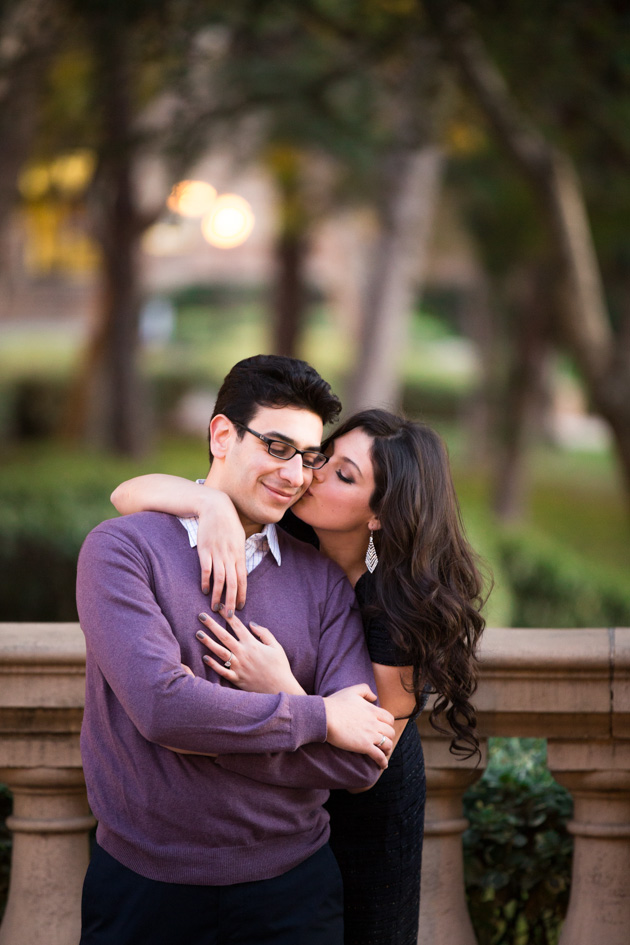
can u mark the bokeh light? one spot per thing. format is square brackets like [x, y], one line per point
[191, 198]
[34, 182]
[166, 239]
[71, 173]
[229, 222]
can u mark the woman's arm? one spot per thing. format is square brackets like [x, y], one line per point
[157, 492]
[220, 540]
[393, 696]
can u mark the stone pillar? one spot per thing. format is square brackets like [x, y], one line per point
[50, 823]
[444, 918]
[42, 684]
[597, 773]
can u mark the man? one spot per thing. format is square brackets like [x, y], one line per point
[221, 836]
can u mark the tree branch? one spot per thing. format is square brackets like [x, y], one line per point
[582, 309]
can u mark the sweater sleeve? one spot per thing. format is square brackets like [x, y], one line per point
[134, 647]
[343, 661]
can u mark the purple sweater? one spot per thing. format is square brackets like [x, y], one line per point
[256, 810]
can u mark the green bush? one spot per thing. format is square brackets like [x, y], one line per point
[554, 587]
[43, 521]
[38, 564]
[517, 851]
[31, 407]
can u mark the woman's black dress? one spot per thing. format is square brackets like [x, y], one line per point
[377, 835]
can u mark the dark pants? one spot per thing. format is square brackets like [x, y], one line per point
[301, 907]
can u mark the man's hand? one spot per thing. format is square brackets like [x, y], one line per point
[355, 725]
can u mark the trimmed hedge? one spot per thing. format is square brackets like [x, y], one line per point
[552, 586]
[40, 540]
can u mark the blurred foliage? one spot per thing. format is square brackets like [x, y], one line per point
[50, 497]
[554, 587]
[578, 96]
[517, 850]
[215, 326]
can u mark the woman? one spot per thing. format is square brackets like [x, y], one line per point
[387, 488]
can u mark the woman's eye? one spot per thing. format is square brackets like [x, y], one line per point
[343, 478]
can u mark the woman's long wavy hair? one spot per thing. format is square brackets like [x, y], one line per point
[429, 590]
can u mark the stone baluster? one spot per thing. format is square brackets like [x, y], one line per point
[50, 824]
[444, 918]
[42, 681]
[532, 683]
[571, 686]
[597, 773]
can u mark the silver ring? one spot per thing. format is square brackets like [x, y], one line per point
[381, 741]
[228, 663]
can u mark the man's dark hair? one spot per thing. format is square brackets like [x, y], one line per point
[272, 380]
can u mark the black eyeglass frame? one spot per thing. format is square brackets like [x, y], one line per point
[269, 440]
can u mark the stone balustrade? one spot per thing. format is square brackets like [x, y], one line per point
[569, 686]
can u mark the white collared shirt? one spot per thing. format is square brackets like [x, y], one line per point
[256, 546]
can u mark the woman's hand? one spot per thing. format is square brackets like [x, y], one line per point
[221, 550]
[220, 539]
[250, 659]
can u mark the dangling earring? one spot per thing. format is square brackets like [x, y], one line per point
[371, 558]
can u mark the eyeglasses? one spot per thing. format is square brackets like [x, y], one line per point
[312, 459]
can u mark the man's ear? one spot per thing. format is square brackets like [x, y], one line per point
[221, 434]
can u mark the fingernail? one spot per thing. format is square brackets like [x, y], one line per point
[206, 660]
[205, 590]
[200, 635]
[203, 617]
[230, 614]
[216, 607]
[220, 607]
[240, 605]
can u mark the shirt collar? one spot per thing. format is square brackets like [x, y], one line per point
[268, 535]
[269, 532]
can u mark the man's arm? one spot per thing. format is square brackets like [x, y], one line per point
[135, 649]
[343, 662]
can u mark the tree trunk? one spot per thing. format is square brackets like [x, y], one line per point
[580, 311]
[478, 323]
[526, 394]
[291, 294]
[410, 188]
[108, 407]
[27, 37]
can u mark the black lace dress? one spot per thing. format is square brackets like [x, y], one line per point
[377, 835]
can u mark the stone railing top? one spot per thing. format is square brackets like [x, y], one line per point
[42, 666]
[546, 650]
[559, 683]
[556, 683]
[41, 643]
